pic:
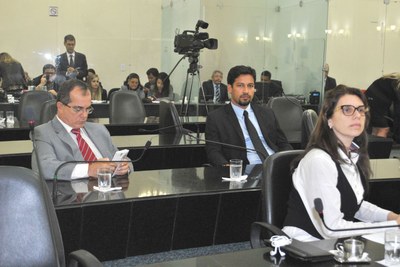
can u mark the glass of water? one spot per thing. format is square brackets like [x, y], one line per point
[392, 247]
[104, 178]
[235, 168]
[10, 117]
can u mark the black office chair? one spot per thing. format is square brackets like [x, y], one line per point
[111, 92]
[29, 230]
[48, 111]
[126, 107]
[276, 187]
[288, 112]
[30, 105]
[308, 122]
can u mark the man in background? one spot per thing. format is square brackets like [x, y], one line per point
[48, 80]
[268, 88]
[244, 124]
[329, 82]
[71, 64]
[214, 89]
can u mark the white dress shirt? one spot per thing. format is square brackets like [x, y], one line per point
[316, 177]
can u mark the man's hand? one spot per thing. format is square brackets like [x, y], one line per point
[103, 163]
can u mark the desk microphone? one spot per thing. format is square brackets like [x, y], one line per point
[189, 133]
[141, 130]
[319, 207]
[55, 177]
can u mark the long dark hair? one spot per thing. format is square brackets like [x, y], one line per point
[165, 79]
[324, 138]
[133, 76]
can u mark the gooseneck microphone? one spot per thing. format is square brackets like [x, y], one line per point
[189, 133]
[141, 130]
[319, 207]
[55, 177]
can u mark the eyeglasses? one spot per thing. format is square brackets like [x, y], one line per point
[78, 109]
[349, 110]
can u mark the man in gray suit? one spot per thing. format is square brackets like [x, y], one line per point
[57, 141]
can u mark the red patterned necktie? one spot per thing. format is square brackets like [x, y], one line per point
[87, 153]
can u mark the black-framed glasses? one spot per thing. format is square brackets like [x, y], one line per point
[349, 110]
[78, 109]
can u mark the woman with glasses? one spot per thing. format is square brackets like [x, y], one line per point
[335, 168]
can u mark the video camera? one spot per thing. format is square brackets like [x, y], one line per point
[193, 41]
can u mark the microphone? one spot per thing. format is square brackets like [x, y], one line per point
[55, 177]
[319, 207]
[142, 130]
[189, 133]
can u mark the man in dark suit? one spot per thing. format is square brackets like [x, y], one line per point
[329, 82]
[214, 89]
[268, 88]
[68, 137]
[230, 124]
[71, 64]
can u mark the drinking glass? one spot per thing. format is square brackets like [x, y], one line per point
[235, 168]
[104, 178]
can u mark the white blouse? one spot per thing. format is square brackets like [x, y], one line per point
[316, 177]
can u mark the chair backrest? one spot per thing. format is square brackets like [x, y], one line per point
[288, 112]
[126, 107]
[48, 111]
[30, 105]
[308, 122]
[29, 230]
[111, 92]
[276, 186]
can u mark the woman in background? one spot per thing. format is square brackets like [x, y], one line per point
[93, 82]
[164, 87]
[335, 168]
[132, 83]
[12, 75]
[381, 94]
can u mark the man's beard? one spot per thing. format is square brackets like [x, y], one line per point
[244, 103]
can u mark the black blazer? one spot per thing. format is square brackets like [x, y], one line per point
[80, 64]
[208, 88]
[223, 126]
[330, 83]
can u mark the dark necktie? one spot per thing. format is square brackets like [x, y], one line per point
[255, 139]
[71, 61]
[217, 93]
[87, 153]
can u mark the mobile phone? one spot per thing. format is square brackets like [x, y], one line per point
[119, 155]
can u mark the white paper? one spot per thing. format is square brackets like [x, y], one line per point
[242, 178]
[108, 189]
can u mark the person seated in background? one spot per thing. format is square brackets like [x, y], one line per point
[244, 124]
[214, 89]
[96, 90]
[335, 168]
[48, 80]
[132, 83]
[71, 64]
[164, 88]
[150, 87]
[329, 82]
[268, 88]
[12, 75]
[382, 94]
[69, 137]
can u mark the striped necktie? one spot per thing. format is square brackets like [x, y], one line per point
[217, 93]
[87, 153]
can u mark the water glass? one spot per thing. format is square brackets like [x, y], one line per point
[10, 117]
[392, 247]
[104, 178]
[235, 168]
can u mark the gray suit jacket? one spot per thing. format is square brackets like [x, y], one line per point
[55, 146]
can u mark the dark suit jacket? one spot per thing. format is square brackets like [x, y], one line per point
[223, 126]
[330, 83]
[80, 64]
[208, 88]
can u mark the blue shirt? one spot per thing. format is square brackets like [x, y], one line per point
[252, 155]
